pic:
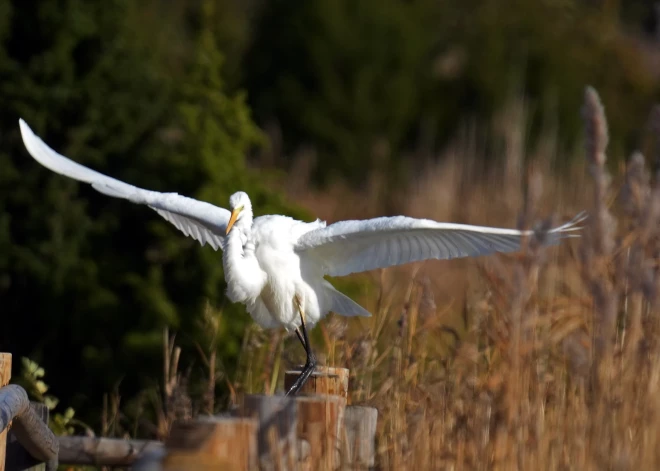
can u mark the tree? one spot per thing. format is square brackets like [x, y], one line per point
[368, 83]
[88, 282]
[344, 76]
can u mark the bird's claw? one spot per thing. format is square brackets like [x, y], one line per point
[306, 372]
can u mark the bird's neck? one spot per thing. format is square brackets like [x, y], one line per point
[242, 272]
[234, 250]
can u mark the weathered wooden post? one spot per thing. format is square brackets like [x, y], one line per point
[5, 376]
[305, 432]
[356, 425]
[276, 437]
[325, 380]
[320, 430]
[212, 443]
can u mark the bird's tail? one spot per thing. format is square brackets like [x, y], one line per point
[342, 304]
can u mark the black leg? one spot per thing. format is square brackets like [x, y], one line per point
[302, 341]
[310, 365]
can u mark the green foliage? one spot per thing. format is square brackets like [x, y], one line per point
[342, 75]
[87, 282]
[550, 50]
[368, 83]
[31, 379]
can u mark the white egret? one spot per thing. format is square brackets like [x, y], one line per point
[276, 265]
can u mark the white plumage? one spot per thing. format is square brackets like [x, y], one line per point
[270, 259]
[273, 262]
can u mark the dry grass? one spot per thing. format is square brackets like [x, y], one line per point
[547, 359]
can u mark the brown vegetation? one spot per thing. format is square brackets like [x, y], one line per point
[547, 359]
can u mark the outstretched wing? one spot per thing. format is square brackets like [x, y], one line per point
[202, 221]
[356, 246]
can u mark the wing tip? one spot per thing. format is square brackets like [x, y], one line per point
[26, 131]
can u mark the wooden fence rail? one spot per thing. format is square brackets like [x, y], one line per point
[27, 425]
[104, 451]
[316, 430]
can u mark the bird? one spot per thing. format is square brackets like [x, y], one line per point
[276, 265]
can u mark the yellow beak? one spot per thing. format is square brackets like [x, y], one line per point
[232, 219]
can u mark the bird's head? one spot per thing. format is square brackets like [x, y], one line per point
[240, 206]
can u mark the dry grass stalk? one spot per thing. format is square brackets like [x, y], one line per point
[546, 359]
[498, 371]
[599, 239]
[635, 201]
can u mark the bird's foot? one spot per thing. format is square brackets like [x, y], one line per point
[306, 372]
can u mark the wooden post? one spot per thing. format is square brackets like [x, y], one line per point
[360, 439]
[320, 428]
[17, 456]
[5, 376]
[276, 437]
[325, 380]
[212, 443]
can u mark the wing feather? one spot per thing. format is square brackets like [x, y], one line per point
[202, 221]
[354, 246]
[467, 241]
[427, 250]
[407, 248]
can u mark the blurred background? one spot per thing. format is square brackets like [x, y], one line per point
[326, 108]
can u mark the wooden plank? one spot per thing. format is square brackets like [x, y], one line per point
[320, 428]
[5, 376]
[360, 439]
[104, 451]
[276, 436]
[18, 458]
[33, 434]
[325, 380]
[212, 443]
